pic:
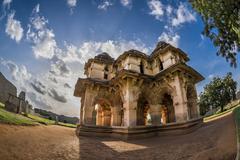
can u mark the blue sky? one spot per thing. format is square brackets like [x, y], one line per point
[44, 43]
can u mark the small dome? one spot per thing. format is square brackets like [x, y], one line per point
[162, 45]
[104, 57]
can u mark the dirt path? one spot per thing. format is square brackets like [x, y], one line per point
[215, 140]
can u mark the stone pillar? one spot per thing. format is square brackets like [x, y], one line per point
[106, 117]
[197, 109]
[99, 118]
[131, 93]
[81, 115]
[88, 107]
[180, 101]
[116, 116]
[155, 112]
[130, 114]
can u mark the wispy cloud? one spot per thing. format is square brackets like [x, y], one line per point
[172, 38]
[5, 7]
[55, 95]
[38, 86]
[41, 37]
[183, 15]
[59, 68]
[156, 8]
[173, 18]
[71, 4]
[14, 28]
[126, 3]
[105, 5]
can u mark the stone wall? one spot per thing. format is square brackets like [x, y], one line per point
[6, 88]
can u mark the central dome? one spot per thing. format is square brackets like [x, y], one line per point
[104, 57]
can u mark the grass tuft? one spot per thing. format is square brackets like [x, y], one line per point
[16, 119]
[41, 120]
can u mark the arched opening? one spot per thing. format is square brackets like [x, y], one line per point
[160, 65]
[141, 67]
[191, 102]
[168, 113]
[102, 113]
[106, 72]
[143, 112]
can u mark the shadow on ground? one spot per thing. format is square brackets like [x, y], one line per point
[215, 140]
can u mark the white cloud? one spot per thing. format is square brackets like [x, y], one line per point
[72, 3]
[210, 76]
[172, 38]
[37, 8]
[59, 68]
[156, 8]
[6, 2]
[41, 37]
[183, 15]
[58, 93]
[126, 3]
[14, 28]
[89, 49]
[105, 5]
[5, 7]
[169, 9]
[19, 74]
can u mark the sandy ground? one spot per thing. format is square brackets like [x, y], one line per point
[216, 140]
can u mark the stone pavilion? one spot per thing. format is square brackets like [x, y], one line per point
[137, 93]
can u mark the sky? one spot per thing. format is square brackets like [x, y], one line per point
[45, 43]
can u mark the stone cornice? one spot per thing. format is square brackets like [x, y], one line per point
[82, 83]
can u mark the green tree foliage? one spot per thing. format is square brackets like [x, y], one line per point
[218, 93]
[222, 25]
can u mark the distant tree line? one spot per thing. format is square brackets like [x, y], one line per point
[218, 93]
[52, 116]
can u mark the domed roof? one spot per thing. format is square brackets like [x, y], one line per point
[161, 45]
[104, 57]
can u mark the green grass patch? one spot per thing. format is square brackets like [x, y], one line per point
[2, 105]
[41, 120]
[220, 113]
[67, 125]
[49, 122]
[16, 119]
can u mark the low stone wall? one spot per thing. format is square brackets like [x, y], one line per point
[139, 131]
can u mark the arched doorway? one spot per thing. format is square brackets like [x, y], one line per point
[143, 112]
[102, 113]
[168, 112]
[191, 101]
[141, 66]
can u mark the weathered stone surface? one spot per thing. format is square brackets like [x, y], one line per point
[8, 96]
[6, 88]
[137, 89]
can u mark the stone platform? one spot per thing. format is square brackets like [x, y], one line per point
[125, 133]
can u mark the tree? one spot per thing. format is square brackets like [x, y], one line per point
[218, 93]
[222, 25]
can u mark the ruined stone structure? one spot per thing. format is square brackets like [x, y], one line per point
[137, 90]
[8, 96]
[6, 88]
[18, 104]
